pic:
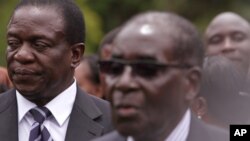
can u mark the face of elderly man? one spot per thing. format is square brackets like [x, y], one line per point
[148, 97]
[229, 35]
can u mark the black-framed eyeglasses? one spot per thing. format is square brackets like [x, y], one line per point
[145, 69]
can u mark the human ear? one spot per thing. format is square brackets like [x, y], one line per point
[77, 51]
[199, 106]
[193, 77]
[106, 51]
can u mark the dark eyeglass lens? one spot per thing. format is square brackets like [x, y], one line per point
[146, 70]
[111, 67]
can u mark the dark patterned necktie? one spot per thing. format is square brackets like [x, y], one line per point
[38, 131]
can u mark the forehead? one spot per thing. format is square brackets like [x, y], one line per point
[34, 18]
[144, 40]
[227, 23]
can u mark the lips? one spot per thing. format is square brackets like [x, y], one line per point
[22, 71]
[24, 74]
[126, 110]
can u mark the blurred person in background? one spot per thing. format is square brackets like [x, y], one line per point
[228, 34]
[153, 74]
[219, 102]
[87, 75]
[104, 53]
[5, 83]
[106, 43]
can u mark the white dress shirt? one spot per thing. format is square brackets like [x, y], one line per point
[180, 132]
[60, 107]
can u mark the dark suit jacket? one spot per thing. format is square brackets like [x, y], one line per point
[199, 131]
[90, 117]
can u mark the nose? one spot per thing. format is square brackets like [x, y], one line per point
[24, 54]
[228, 46]
[126, 82]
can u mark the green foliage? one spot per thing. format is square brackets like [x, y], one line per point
[6, 8]
[115, 12]
[94, 31]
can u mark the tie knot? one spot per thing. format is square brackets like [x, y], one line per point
[40, 114]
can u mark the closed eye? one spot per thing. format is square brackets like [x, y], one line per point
[14, 43]
[215, 39]
[40, 46]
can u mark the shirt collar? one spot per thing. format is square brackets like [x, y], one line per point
[181, 131]
[24, 106]
[60, 107]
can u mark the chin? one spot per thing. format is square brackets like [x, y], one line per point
[128, 127]
[28, 92]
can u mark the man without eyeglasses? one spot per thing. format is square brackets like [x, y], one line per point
[45, 44]
[228, 34]
[152, 76]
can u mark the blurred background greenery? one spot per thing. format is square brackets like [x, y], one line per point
[103, 15]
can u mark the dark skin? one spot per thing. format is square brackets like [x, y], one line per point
[229, 35]
[148, 109]
[40, 61]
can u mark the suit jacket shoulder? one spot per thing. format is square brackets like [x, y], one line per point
[199, 131]
[205, 132]
[90, 118]
[8, 116]
[113, 136]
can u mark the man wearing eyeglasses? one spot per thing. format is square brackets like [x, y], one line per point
[153, 74]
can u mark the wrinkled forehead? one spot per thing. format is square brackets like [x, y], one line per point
[40, 17]
[36, 12]
[144, 40]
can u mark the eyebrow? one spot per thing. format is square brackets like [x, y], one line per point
[35, 37]
[11, 34]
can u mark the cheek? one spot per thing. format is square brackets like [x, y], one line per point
[109, 83]
[245, 47]
[58, 62]
[158, 87]
[164, 91]
[213, 49]
[9, 55]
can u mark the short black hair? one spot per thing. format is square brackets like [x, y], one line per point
[189, 48]
[73, 18]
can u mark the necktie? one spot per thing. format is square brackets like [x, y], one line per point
[38, 131]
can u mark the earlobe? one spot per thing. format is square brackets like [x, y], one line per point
[199, 106]
[77, 53]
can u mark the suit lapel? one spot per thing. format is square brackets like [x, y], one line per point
[8, 116]
[82, 124]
